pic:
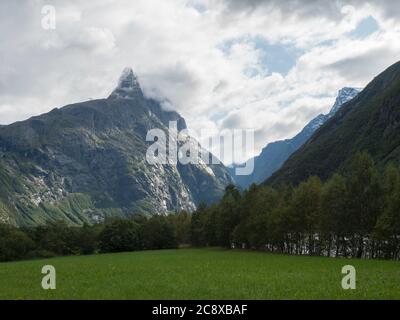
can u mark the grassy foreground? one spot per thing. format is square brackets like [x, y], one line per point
[199, 274]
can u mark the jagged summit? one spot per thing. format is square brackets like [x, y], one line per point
[128, 86]
[87, 161]
[345, 95]
[128, 79]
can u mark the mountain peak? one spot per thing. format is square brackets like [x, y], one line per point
[128, 79]
[345, 95]
[128, 86]
[274, 155]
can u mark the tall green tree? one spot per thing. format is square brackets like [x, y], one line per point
[158, 233]
[228, 216]
[306, 208]
[334, 224]
[388, 225]
[365, 200]
[181, 222]
[198, 225]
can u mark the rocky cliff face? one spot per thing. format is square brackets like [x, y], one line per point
[86, 161]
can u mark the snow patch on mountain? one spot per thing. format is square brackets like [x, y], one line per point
[345, 95]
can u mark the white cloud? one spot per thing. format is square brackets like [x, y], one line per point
[177, 49]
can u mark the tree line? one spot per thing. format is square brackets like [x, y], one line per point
[353, 214]
[113, 235]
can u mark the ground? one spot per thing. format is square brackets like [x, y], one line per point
[199, 274]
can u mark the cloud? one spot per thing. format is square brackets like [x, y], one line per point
[304, 9]
[366, 65]
[268, 65]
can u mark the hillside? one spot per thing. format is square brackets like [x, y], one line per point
[86, 161]
[274, 155]
[370, 122]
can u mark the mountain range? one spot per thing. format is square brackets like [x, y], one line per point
[274, 155]
[370, 122]
[87, 161]
[84, 162]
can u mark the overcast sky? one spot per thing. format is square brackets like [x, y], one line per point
[268, 65]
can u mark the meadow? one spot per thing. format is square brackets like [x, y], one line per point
[199, 274]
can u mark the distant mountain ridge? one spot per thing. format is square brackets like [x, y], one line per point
[273, 156]
[86, 161]
[370, 122]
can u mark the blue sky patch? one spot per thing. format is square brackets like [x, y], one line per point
[279, 58]
[365, 28]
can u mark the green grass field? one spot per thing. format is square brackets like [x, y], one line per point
[199, 274]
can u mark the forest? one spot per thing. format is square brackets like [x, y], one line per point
[354, 214]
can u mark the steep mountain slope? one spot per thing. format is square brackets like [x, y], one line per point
[86, 161]
[273, 156]
[370, 122]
